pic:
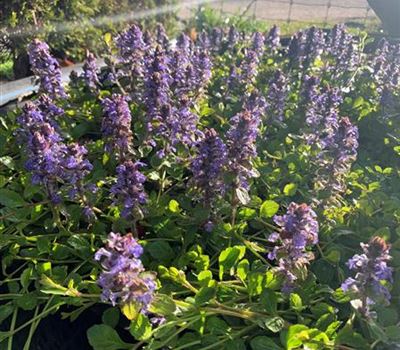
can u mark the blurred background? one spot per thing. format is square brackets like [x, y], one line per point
[71, 27]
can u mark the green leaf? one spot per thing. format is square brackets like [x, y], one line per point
[5, 311]
[204, 277]
[103, 337]
[290, 189]
[269, 300]
[130, 310]
[295, 302]
[235, 344]
[242, 269]
[110, 317]
[242, 195]
[274, 324]
[358, 102]
[229, 258]
[377, 331]
[255, 283]
[162, 305]
[27, 301]
[8, 162]
[346, 336]
[173, 206]
[264, 343]
[204, 295]
[217, 326]
[292, 338]
[108, 38]
[160, 250]
[25, 277]
[10, 199]
[140, 328]
[333, 256]
[268, 209]
[392, 332]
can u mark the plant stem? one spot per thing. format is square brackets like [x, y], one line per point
[164, 173]
[31, 331]
[12, 329]
[237, 334]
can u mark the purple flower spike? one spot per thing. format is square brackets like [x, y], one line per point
[299, 231]
[46, 69]
[50, 161]
[272, 39]
[241, 138]
[157, 90]
[277, 94]
[123, 277]
[207, 167]
[258, 44]
[132, 49]
[90, 72]
[338, 152]
[129, 191]
[372, 271]
[116, 125]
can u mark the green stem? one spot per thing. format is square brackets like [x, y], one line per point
[188, 345]
[236, 335]
[249, 246]
[12, 329]
[31, 331]
[161, 190]
[35, 318]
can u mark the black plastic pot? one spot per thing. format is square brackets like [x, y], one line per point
[389, 13]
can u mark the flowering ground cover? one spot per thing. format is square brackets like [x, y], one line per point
[213, 192]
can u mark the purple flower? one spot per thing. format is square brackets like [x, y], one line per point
[272, 39]
[123, 278]
[76, 166]
[233, 37]
[190, 69]
[203, 41]
[309, 92]
[208, 166]
[371, 272]
[132, 49]
[241, 138]
[128, 190]
[182, 125]
[258, 44]
[296, 52]
[157, 90]
[202, 65]
[50, 160]
[116, 125]
[313, 46]
[322, 112]
[249, 68]
[299, 231]
[340, 45]
[161, 37]
[46, 69]
[90, 72]
[49, 109]
[338, 152]
[277, 94]
[216, 38]
[387, 73]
